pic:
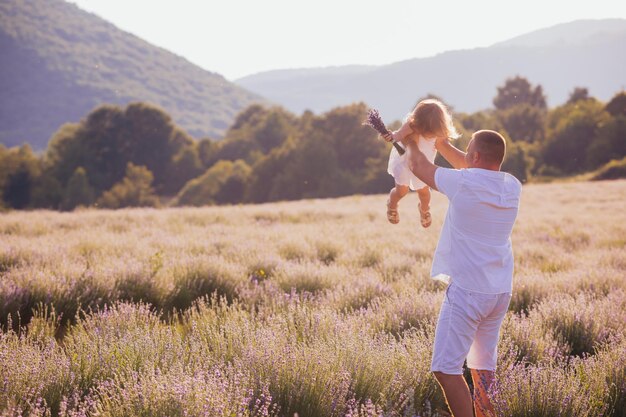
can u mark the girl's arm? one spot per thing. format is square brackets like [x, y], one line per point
[453, 155]
[403, 133]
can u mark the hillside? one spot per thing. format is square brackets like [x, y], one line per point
[588, 53]
[59, 62]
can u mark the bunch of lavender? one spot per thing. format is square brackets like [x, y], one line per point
[374, 121]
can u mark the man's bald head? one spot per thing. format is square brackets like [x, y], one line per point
[490, 145]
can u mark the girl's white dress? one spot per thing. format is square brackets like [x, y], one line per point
[398, 166]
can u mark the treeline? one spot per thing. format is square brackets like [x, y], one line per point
[576, 137]
[136, 156]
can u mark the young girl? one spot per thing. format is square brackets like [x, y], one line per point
[430, 119]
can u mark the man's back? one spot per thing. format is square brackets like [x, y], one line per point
[474, 249]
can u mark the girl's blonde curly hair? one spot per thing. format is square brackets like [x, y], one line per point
[431, 118]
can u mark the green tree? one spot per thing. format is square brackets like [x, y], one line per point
[572, 128]
[274, 130]
[518, 90]
[184, 166]
[154, 142]
[376, 179]
[239, 141]
[66, 151]
[265, 171]
[523, 122]
[243, 146]
[611, 171]
[207, 151]
[312, 171]
[578, 94]
[78, 192]
[313, 156]
[17, 189]
[342, 128]
[250, 116]
[19, 170]
[47, 192]
[111, 137]
[617, 105]
[609, 143]
[521, 109]
[222, 183]
[518, 161]
[233, 189]
[4, 165]
[330, 157]
[327, 155]
[134, 190]
[106, 148]
[487, 119]
[256, 131]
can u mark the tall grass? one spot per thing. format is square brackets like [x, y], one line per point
[319, 308]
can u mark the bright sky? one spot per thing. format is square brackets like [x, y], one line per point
[241, 37]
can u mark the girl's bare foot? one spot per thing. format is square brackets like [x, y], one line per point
[392, 213]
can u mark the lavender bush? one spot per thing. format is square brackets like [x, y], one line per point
[314, 307]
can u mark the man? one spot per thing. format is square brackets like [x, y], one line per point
[475, 256]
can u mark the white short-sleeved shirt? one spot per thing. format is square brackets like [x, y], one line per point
[474, 249]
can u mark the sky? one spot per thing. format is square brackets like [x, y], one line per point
[236, 38]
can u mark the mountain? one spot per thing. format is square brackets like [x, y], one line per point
[585, 53]
[59, 62]
[579, 31]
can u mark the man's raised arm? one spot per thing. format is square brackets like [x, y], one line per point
[453, 155]
[420, 165]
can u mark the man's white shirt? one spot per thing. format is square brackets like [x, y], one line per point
[474, 249]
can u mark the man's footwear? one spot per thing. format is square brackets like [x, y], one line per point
[425, 218]
[392, 214]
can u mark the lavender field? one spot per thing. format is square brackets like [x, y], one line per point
[317, 307]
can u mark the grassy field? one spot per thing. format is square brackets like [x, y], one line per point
[315, 307]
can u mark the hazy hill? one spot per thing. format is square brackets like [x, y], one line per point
[586, 53]
[59, 62]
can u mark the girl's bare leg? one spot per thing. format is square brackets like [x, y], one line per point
[424, 206]
[395, 195]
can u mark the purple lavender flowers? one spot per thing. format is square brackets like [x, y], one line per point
[374, 121]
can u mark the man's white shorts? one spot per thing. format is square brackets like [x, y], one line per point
[468, 327]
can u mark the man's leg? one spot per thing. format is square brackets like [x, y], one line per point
[483, 353]
[454, 335]
[457, 394]
[482, 383]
